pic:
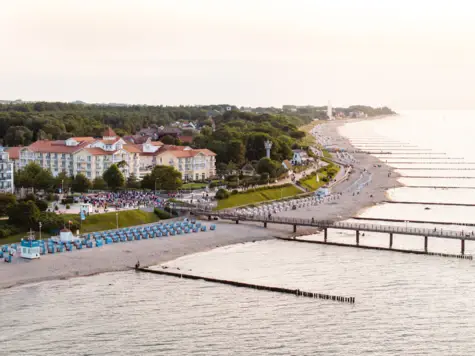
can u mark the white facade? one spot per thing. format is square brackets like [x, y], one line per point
[6, 172]
[92, 157]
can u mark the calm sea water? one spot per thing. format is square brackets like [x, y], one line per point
[405, 304]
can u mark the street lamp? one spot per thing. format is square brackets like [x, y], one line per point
[117, 220]
[39, 224]
[62, 186]
[155, 185]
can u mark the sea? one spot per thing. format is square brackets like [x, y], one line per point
[405, 304]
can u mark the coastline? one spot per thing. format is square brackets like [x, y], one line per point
[121, 257]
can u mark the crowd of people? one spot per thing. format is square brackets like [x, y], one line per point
[124, 200]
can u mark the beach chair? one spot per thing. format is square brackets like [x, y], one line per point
[203, 228]
[212, 227]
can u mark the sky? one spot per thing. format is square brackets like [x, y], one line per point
[416, 54]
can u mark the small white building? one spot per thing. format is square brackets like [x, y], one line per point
[86, 208]
[65, 235]
[30, 249]
[300, 157]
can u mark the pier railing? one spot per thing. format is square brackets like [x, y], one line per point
[329, 224]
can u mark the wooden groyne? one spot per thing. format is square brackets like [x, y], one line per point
[296, 292]
[435, 187]
[425, 203]
[431, 158]
[437, 177]
[414, 221]
[426, 162]
[378, 248]
[409, 153]
[436, 169]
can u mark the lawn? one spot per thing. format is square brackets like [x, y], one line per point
[257, 197]
[194, 186]
[100, 222]
[97, 222]
[311, 181]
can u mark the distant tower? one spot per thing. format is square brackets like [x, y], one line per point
[268, 146]
[329, 111]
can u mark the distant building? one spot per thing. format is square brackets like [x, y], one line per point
[300, 157]
[287, 165]
[6, 172]
[248, 170]
[14, 155]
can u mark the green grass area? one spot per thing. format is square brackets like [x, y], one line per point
[18, 236]
[326, 154]
[99, 222]
[258, 196]
[194, 186]
[310, 182]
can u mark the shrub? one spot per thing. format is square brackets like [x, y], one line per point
[68, 206]
[56, 207]
[42, 205]
[222, 194]
[171, 211]
[50, 197]
[7, 230]
[67, 200]
[234, 192]
[162, 214]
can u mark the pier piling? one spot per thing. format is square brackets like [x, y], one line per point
[295, 228]
[390, 240]
[265, 223]
[462, 247]
[357, 237]
[426, 241]
[325, 234]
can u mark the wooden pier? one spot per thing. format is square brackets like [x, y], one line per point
[326, 225]
[296, 292]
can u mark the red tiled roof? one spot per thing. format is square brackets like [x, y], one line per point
[187, 139]
[14, 152]
[85, 138]
[99, 151]
[206, 152]
[109, 133]
[46, 146]
[110, 142]
[157, 143]
[132, 148]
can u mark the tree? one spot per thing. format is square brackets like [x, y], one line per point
[33, 176]
[80, 183]
[168, 140]
[114, 177]
[6, 199]
[18, 136]
[63, 182]
[266, 165]
[236, 152]
[24, 214]
[163, 178]
[222, 194]
[99, 184]
[132, 182]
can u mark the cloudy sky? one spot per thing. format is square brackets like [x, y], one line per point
[416, 54]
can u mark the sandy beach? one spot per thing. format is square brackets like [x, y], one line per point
[122, 256]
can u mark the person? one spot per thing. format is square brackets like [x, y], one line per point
[313, 220]
[137, 265]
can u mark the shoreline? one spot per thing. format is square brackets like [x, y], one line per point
[122, 256]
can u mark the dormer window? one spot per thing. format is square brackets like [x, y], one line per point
[71, 142]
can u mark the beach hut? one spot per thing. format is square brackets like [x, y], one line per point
[30, 249]
[65, 235]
